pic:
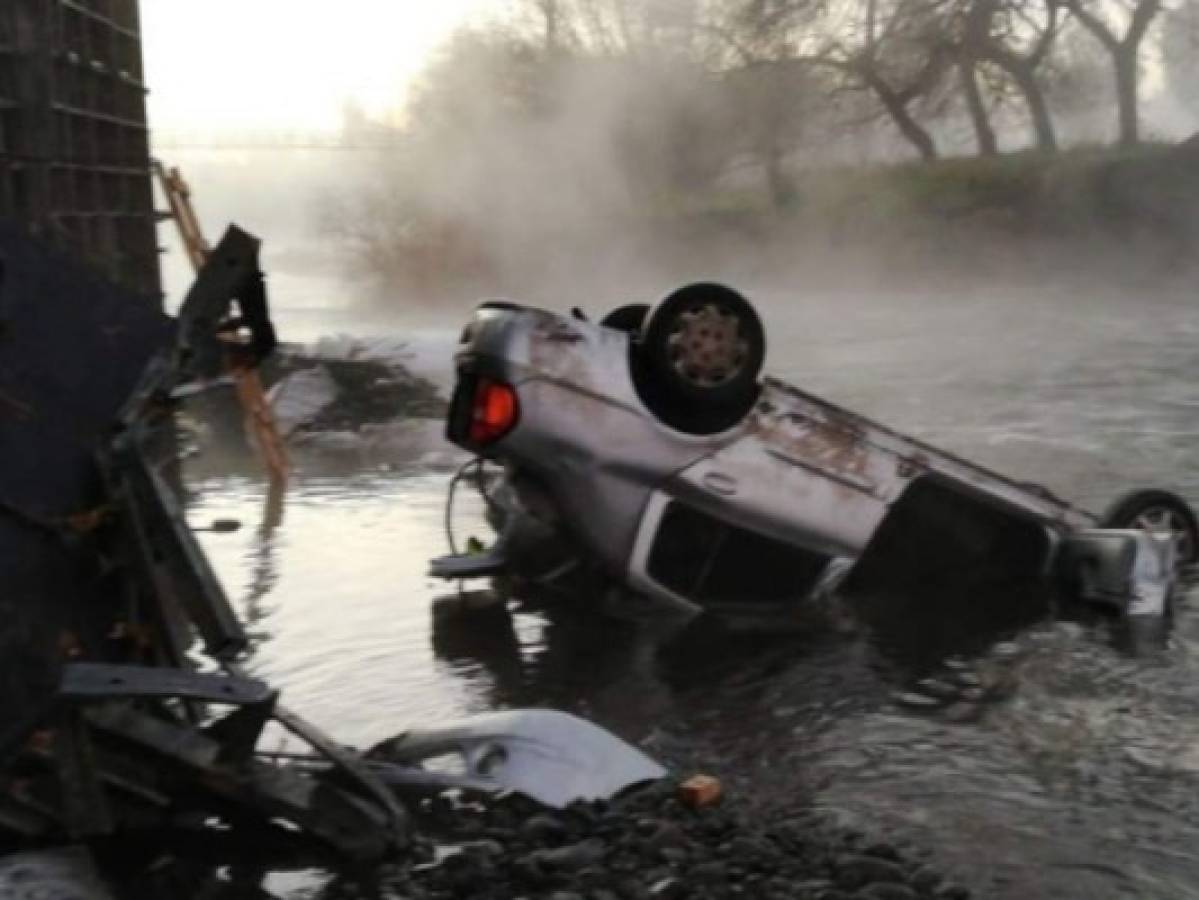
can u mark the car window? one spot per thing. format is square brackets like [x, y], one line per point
[709, 561]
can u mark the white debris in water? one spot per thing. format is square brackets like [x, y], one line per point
[912, 700]
[300, 397]
[332, 441]
[357, 396]
[417, 440]
[386, 349]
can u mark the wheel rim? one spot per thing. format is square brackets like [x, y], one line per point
[706, 346]
[1161, 520]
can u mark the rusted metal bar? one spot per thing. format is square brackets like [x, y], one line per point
[178, 196]
[259, 416]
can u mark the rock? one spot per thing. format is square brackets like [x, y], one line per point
[463, 871]
[591, 878]
[856, 871]
[934, 687]
[1072, 631]
[882, 851]
[580, 810]
[1145, 758]
[667, 834]
[961, 713]
[674, 855]
[670, 807]
[572, 856]
[925, 880]
[1006, 650]
[631, 889]
[646, 826]
[746, 848]
[886, 892]
[712, 871]
[668, 888]
[656, 874]
[487, 847]
[527, 869]
[543, 827]
[636, 847]
[953, 892]
[912, 700]
[813, 886]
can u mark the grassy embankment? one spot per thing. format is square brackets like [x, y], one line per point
[1025, 216]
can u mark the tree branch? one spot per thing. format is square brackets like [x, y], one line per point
[1095, 25]
[1142, 16]
[1048, 36]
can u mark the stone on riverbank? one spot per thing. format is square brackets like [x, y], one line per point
[647, 845]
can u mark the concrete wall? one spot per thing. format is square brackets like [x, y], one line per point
[74, 144]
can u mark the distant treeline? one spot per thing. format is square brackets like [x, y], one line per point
[569, 115]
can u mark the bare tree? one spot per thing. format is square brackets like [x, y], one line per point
[980, 117]
[884, 48]
[768, 87]
[1104, 21]
[894, 50]
[1017, 36]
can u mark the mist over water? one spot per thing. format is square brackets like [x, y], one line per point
[1034, 314]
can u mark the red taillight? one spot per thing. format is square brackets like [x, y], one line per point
[494, 413]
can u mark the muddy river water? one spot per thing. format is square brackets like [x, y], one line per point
[1076, 776]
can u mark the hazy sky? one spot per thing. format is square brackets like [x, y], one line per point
[215, 65]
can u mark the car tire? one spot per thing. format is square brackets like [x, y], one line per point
[630, 318]
[1155, 509]
[697, 362]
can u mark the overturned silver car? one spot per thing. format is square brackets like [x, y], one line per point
[645, 447]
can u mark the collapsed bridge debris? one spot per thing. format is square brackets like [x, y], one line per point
[116, 736]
